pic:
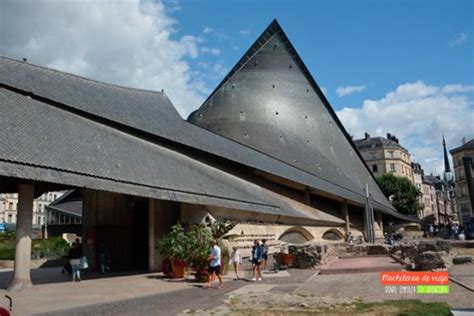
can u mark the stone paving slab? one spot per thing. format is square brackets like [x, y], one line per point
[463, 274]
[362, 265]
[253, 288]
[462, 312]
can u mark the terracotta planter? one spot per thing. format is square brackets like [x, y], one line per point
[178, 269]
[166, 268]
[201, 275]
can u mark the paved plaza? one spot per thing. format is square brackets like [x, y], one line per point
[152, 294]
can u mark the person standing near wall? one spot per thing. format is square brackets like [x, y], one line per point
[236, 261]
[264, 253]
[256, 261]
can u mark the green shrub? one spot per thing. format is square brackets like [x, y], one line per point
[7, 250]
[52, 248]
[199, 239]
[175, 244]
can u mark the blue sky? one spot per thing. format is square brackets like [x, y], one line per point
[377, 44]
[404, 67]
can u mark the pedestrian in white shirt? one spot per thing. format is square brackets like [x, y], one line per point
[236, 261]
[215, 264]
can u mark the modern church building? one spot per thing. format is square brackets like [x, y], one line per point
[265, 150]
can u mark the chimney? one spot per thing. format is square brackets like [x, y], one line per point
[366, 136]
[389, 136]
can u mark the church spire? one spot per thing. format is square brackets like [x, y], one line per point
[447, 168]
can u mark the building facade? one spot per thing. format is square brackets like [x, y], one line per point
[9, 211]
[463, 171]
[265, 150]
[428, 211]
[385, 155]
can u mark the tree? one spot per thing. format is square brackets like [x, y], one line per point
[401, 192]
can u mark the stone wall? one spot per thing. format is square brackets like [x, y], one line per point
[316, 254]
[426, 255]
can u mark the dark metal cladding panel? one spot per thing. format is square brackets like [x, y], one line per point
[268, 103]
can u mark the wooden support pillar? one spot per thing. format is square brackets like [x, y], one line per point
[151, 235]
[21, 275]
[345, 214]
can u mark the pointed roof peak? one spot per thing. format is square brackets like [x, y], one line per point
[274, 28]
[270, 102]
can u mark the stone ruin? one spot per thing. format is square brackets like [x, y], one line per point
[417, 255]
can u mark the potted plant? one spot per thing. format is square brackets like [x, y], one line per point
[174, 246]
[199, 239]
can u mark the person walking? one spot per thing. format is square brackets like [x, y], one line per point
[256, 260]
[431, 231]
[349, 238]
[215, 264]
[104, 258]
[264, 253]
[75, 254]
[236, 261]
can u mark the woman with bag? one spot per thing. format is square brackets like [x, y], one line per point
[75, 254]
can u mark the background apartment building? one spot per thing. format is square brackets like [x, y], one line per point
[463, 157]
[9, 208]
[385, 155]
[428, 211]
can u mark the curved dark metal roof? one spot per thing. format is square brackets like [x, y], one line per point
[270, 102]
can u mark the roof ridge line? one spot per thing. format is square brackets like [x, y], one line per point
[84, 78]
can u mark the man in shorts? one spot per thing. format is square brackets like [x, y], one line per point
[215, 264]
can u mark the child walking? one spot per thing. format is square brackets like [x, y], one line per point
[236, 261]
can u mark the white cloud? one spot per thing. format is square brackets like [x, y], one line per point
[457, 88]
[343, 91]
[458, 40]
[418, 114]
[244, 32]
[131, 43]
[207, 30]
[212, 51]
